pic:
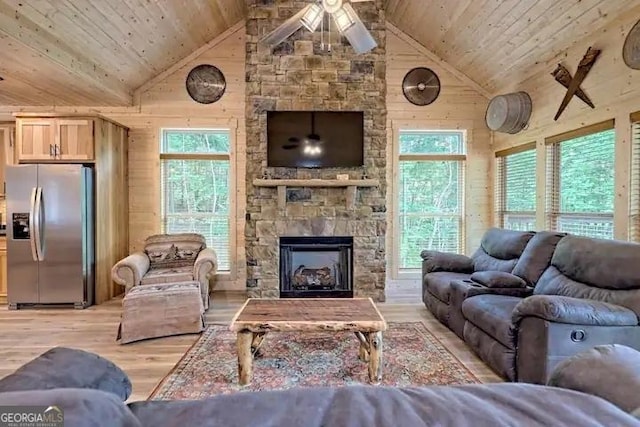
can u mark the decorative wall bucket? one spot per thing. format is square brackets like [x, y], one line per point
[509, 113]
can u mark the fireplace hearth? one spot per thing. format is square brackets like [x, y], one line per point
[314, 267]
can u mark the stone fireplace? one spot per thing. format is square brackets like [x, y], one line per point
[299, 75]
[316, 267]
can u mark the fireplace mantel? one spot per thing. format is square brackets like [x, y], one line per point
[351, 186]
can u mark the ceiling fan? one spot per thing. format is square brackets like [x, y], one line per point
[344, 16]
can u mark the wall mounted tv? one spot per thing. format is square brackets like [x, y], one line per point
[315, 139]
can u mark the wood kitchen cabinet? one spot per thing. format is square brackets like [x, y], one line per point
[7, 144]
[55, 139]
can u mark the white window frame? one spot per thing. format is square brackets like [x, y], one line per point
[231, 129]
[393, 236]
[501, 184]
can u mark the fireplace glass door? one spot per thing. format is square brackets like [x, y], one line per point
[316, 267]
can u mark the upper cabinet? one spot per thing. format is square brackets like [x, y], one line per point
[7, 145]
[55, 139]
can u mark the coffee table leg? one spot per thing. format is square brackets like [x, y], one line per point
[363, 352]
[245, 359]
[256, 343]
[375, 357]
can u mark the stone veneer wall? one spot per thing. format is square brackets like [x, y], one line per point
[297, 75]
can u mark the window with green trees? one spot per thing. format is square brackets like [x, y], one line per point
[580, 188]
[196, 193]
[516, 188]
[430, 193]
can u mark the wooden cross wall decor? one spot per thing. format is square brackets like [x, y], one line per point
[572, 84]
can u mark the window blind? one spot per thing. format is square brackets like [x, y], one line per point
[634, 201]
[520, 190]
[580, 192]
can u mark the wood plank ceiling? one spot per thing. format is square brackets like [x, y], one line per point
[497, 42]
[97, 52]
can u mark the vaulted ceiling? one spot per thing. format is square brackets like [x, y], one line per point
[97, 52]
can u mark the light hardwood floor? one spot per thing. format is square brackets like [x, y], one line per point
[29, 332]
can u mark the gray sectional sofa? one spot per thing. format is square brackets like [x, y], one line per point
[563, 294]
[598, 388]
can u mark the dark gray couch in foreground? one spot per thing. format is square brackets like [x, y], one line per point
[573, 402]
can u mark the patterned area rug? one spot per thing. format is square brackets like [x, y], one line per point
[412, 356]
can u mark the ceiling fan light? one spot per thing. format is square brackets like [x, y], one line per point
[344, 20]
[332, 6]
[312, 17]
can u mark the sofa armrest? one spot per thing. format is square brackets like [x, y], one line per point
[129, 271]
[63, 367]
[498, 279]
[442, 261]
[608, 371]
[574, 311]
[206, 264]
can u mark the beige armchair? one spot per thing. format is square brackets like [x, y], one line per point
[169, 258]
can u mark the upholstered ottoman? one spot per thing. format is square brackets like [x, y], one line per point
[151, 311]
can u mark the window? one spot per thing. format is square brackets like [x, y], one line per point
[580, 188]
[430, 194]
[516, 188]
[634, 200]
[196, 192]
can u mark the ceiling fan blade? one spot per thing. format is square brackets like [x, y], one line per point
[358, 35]
[283, 32]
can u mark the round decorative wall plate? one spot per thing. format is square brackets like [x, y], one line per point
[421, 86]
[206, 84]
[631, 49]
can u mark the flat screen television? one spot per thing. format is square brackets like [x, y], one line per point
[315, 139]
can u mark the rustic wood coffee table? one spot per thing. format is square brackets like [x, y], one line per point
[358, 315]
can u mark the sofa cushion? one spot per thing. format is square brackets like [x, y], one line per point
[479, 405]
[438, 284]
[173, 250]
[609, 371]
[482, 261]
[168, 275]
[498, 279]
[492, 314]
[505, 244]
[608, 264]
[80, 407]
[537, 256]
[62, 367]
[553, 282]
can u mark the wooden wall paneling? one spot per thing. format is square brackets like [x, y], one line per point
[622, 177]
[614, 90]
[459, 106]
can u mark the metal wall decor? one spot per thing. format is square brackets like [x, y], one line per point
[421, 86]
[206, 84]
[631, 48]
[573, 86]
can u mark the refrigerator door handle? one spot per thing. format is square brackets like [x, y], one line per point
[32, 238]
[39, 230]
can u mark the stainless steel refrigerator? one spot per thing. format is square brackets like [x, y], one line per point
[50, 229]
